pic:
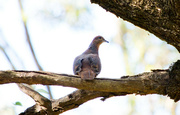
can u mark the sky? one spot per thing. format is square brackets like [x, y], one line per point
[56, 46]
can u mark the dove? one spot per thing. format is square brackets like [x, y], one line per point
[88, 64]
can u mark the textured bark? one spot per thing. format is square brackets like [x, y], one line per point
[68, 102]
[160, 17]
[146, 83]
[163, 82]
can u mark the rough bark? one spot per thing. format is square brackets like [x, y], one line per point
[160, 17]
[147, 82]
[163, 82]
[66, 103]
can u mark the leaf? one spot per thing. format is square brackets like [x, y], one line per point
[18, 103]
[42, 91]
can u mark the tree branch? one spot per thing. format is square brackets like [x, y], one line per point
[163, 82]
[68, 102]
[156, 82]
[145, 81]
[160, 17]
[35, 95]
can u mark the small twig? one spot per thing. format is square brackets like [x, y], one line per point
[7, 57]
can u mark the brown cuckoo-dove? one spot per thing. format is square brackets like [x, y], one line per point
[88, 64]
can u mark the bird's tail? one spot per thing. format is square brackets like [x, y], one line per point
[87, 75]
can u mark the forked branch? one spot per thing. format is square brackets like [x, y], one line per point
[163, 82]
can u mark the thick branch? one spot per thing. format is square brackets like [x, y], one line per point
[79, 97]
[148, 83]
[155, 82]
[164, 82]
[68, 102]
[160, 17]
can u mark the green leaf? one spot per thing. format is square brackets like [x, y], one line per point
[18, 103]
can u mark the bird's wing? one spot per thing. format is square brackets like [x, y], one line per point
[77, 65]
[95, 63]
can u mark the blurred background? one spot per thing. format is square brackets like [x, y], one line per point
[48, 34]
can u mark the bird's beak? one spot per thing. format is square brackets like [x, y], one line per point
[106, 41]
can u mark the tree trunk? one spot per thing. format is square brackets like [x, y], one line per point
[160, 17]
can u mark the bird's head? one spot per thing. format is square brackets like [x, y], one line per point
[98, 40]
[94, 46]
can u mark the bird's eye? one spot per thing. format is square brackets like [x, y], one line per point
[99, 37]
